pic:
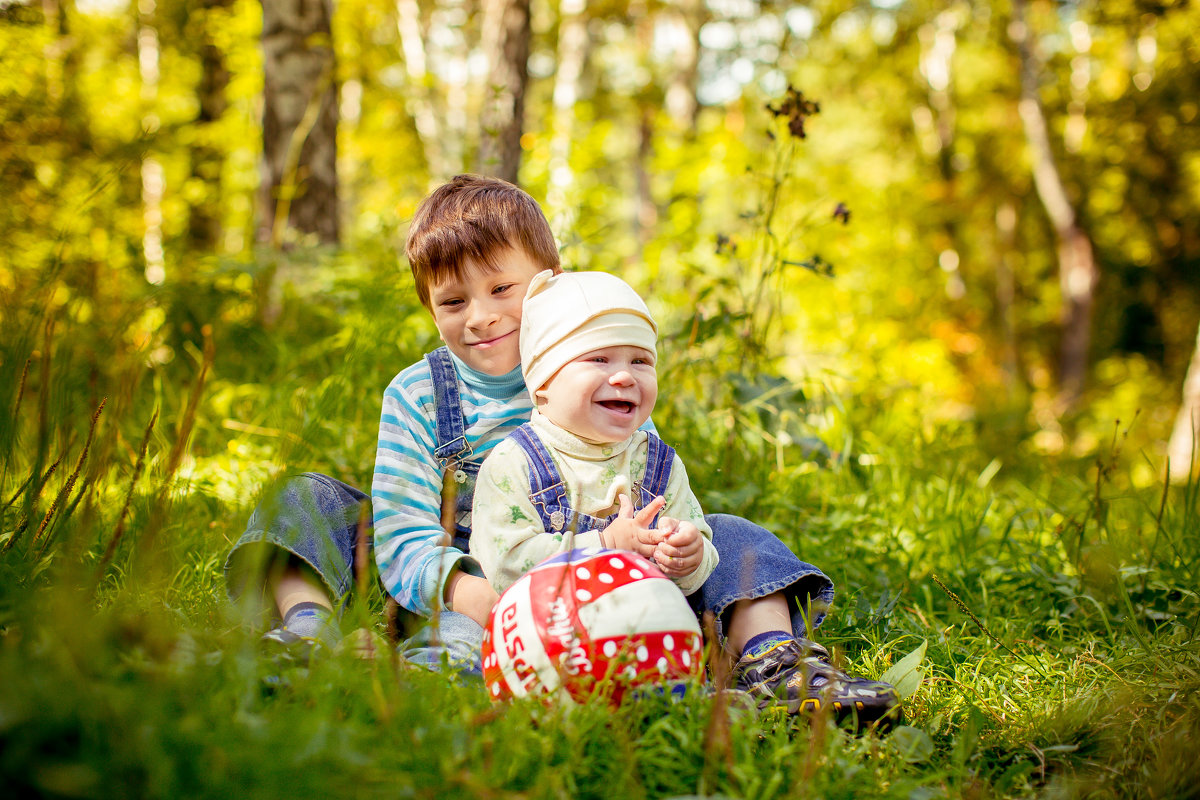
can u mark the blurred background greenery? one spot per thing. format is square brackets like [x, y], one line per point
[928, 275]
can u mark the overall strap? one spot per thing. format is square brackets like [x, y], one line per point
[451, 426]
[546, 489]
[660, 457]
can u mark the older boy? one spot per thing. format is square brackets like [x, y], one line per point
[474, 245]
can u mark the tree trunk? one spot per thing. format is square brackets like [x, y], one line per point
[299, 186]
[681, 101]
[1076, 262]
[204, 212]
[153, 175]
[506, 35]
[421, 97]
[1181, 451]
[938, 43]
[573, 46]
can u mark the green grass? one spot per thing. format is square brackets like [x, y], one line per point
[1057, 601]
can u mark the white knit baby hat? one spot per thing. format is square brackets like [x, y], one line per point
[572, 313]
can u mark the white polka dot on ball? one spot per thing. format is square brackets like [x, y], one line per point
[642, 653]
[582, 573]
[616, 562]
[661, 664]
[604, 577]
[668, 642]
[610, 649]
[635, 574]
[583, 594]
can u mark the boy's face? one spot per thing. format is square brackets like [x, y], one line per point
[479, 316]
[602, 396]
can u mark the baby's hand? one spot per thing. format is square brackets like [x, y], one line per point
[681, 548]
[631, 529]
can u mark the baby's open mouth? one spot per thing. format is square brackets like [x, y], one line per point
[624, 406]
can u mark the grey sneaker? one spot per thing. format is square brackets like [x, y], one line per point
[791, 676]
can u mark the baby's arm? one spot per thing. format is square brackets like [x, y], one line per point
[684, 535]
[507, 535]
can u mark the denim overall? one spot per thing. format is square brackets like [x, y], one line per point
[548, 492]
[315, 518]
[453, 450]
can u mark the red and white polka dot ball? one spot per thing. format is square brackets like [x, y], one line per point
[589, 622]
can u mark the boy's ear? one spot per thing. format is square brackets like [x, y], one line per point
[540, 394]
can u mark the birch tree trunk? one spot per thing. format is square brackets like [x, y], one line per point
[422, 99]
[153, 175]
[1076, 262]
[681, 101]
[204, 212]
[1186, 434]
[506, 39]
[573, 47]
[299, 187]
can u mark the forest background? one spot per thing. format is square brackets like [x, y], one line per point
[928, 279]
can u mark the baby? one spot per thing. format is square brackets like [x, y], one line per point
[584, 471]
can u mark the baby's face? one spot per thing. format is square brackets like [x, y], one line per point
[604, 395]
[479, 315]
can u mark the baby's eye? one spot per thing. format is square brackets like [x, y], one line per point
[503, 289]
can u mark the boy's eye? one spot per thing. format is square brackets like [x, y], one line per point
[450, 301]
[503, 289]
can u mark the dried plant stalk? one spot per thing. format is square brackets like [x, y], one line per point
[65, 492]
[119, 531]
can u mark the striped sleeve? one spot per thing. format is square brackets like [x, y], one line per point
[413, 552]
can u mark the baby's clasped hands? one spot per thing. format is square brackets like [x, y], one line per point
[680, 547]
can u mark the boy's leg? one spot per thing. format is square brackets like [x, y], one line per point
[760, 594]
[297, 553]
[304, 607]
[450, 640]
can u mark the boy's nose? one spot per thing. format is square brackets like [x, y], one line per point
[482, 314]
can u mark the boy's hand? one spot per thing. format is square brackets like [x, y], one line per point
[680, 549]
[631, 529]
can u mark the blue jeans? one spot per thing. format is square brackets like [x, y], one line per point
[315, 518]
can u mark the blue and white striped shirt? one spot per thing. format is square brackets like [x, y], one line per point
[413, 552]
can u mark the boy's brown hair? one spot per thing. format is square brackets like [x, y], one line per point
[474, 217]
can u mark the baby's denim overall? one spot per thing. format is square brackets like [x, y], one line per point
[548, 491]
[316, 519]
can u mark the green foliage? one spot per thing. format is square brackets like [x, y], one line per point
[1066, 628]
[859, 340]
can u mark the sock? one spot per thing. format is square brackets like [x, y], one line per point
[313, 621]
[765, 641]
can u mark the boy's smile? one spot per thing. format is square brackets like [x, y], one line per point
[602, 396]
[479, 316]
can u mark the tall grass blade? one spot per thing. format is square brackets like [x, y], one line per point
[36, 492]
[159, 511]
[966, 610]
[11, 441]
[119, 531]
[65, 492]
